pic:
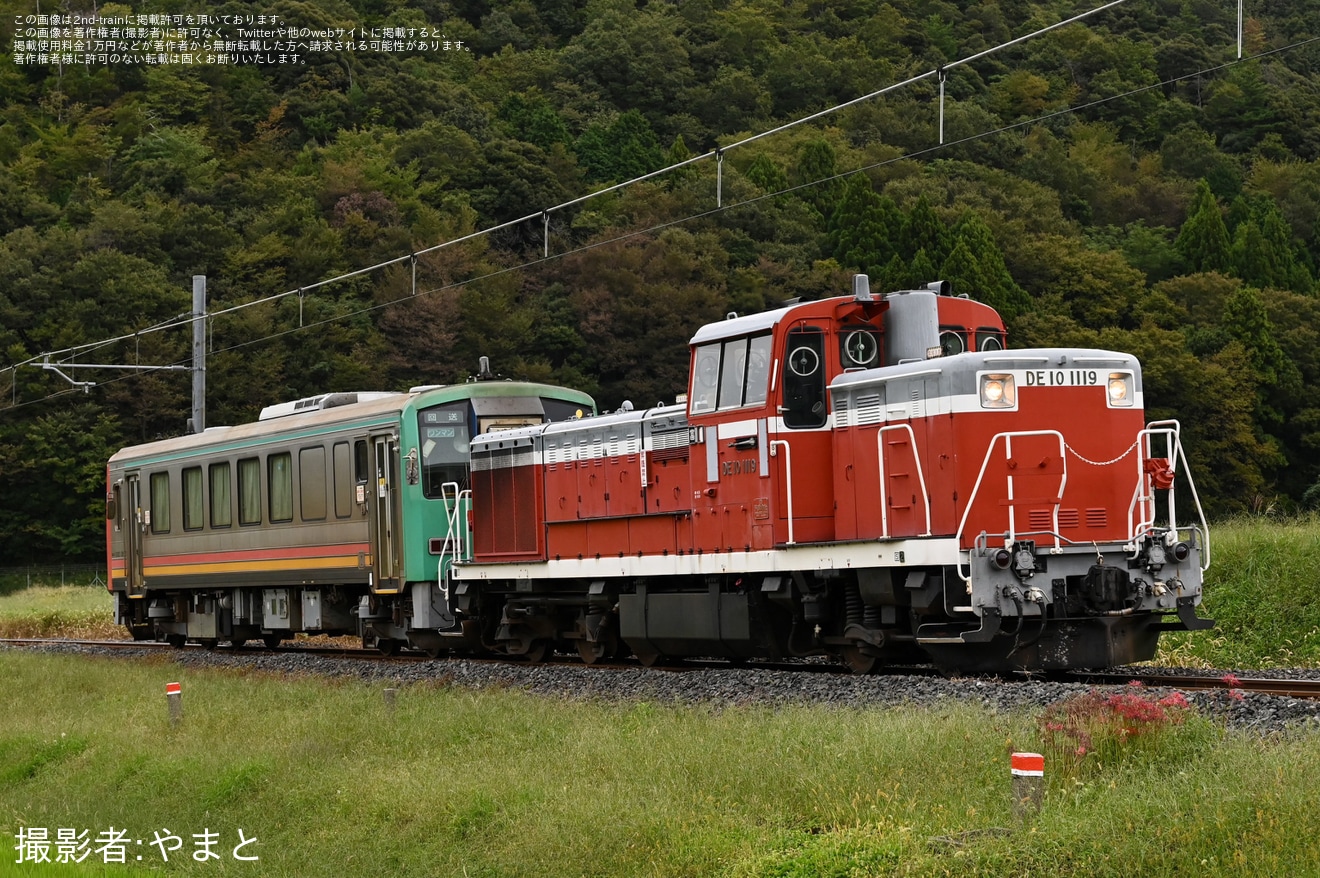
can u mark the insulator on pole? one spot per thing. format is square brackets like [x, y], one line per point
[719, 178]
[943, 75]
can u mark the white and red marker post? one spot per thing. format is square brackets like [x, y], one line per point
[1028, 784]
[174, 695]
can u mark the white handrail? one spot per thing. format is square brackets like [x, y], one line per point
[1012, 521]
[921, 478]
[1171, 430]
[788, 466]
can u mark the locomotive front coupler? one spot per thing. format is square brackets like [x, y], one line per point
[1155, 548]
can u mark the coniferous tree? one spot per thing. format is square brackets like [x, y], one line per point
[1203, 241]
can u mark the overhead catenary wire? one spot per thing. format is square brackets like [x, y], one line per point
[717, 153]
[187, 319]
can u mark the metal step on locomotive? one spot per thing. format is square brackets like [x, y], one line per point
[876, 479]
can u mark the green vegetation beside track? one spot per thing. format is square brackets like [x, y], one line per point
[501, 783]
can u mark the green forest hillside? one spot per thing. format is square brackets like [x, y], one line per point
[1124, 182]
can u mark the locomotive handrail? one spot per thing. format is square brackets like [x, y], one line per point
[788, 468]
[1012, 514]
[921, 477]
[1144, 493]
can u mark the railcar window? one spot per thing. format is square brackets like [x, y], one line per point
[311, 483]
[343, 481]
[360, 461]
[279, 473]
[444, 432]
[249, 491]
[222, 503]
[160, 503]
[192, 498]
[563, 410]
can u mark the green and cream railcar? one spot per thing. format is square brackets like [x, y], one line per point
[336, 514]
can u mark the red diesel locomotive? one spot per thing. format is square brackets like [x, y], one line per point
[876, 479]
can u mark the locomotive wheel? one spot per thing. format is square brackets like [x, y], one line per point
[434, 651]
[859, 662]
[606, 646]
[538, 652]
[271, 640]
[209, 642]
[178, 641]
[388, 646]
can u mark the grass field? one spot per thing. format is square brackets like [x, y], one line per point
[501, 783]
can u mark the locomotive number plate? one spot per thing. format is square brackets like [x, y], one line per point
[1060, 378]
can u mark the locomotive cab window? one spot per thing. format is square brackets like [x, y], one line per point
[731, 374]
[953, 340]
[445, 435]
[859, 347]
[989, 339]
[804, 378]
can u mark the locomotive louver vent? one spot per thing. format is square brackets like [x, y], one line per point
[1069, 518]
[918, 404]
[870, 410]
[1097, 518]
[1040, 519]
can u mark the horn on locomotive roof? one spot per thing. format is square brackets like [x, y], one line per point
[862, 288]
[483, 370]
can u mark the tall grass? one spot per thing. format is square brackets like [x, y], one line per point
[502, 783]
[76, 611]
[1263, 590]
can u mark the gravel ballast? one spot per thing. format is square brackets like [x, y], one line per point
[729, 686]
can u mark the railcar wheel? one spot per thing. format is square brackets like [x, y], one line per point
[209, 642]
[434, 651]
[605, 646]
[859, 662]
[178, 641]
[649, 659]
[388, 646]
[271, 640]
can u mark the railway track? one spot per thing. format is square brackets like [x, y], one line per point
[1285, 688]
[1207, 682]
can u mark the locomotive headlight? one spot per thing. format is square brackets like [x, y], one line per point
[998, 391]
[1120, 389]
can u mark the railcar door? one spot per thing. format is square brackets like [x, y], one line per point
[134, 581]
[386, 532]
